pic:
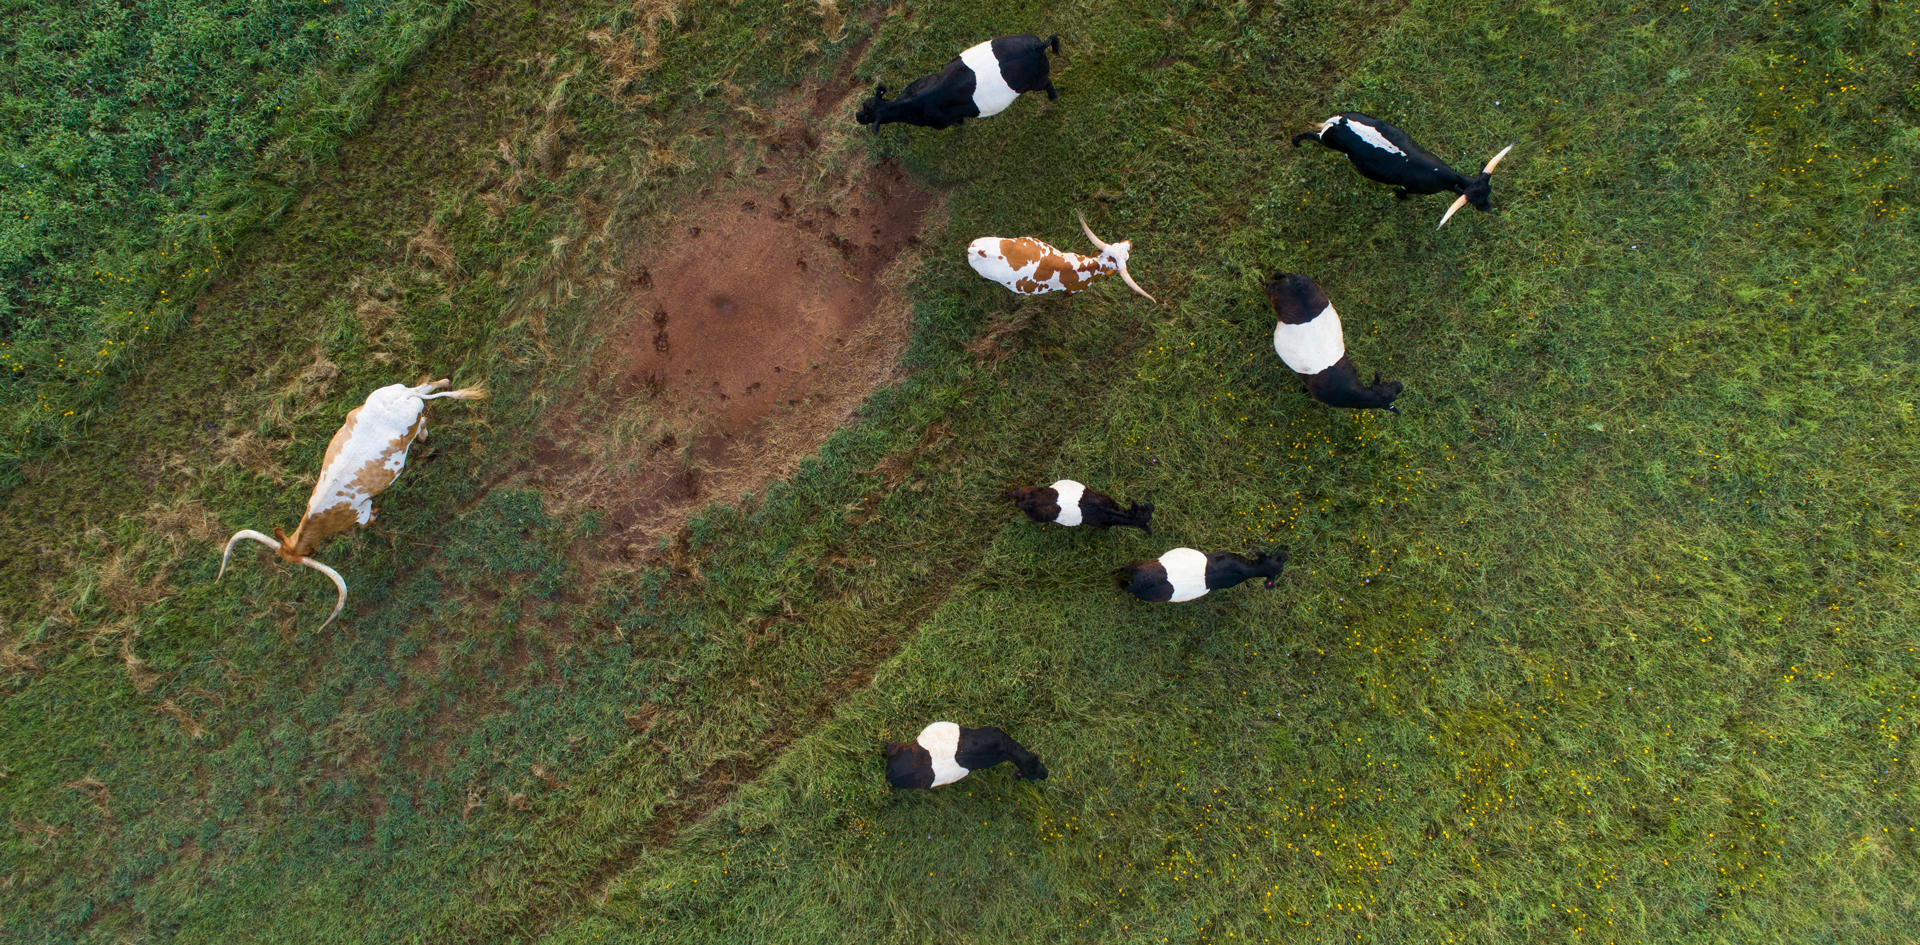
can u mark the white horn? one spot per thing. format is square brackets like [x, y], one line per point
[1089, 231]
[1135, 286]
[242, 533]
[1450, 210]
[1496, 159]
[337, 582]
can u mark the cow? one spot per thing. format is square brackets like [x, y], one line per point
[364, 458]
[1309, 339]
[981, 81]
[1384, 153]
[1030, 267]
[1185, 574]
[944, 753]
[1067, 502]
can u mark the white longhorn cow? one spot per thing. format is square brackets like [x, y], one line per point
[364, 458]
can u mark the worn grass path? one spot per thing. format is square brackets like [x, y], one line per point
[1609, 637]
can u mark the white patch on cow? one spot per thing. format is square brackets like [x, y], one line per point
[991, 93]
[386, 417]
[1070, 493]
[986, 259]
[942, 742]
[1312, 346]
[1187, 572]
[1372, 136]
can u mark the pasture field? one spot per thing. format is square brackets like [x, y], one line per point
[1610, 636]
[141, 140]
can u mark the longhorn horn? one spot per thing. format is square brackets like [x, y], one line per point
[1457, 204]
[242, 533]
[1496, 159]
[338, 582]
[249, 533]
[1135, 286]
[1124, 275]
[476, 392]
[1084, 228]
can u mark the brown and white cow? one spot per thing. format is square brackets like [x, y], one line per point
[365, 457]
[1031, 267]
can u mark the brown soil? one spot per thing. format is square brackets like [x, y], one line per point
[740, 316]
[746, 332]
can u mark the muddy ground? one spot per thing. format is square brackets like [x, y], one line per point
[739, 342]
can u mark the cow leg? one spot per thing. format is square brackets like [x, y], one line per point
[1051, 94]
[1401, 193]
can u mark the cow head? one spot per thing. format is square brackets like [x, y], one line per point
[1116, 254]
[1382, 394]
[1270, 564]
[290, 554]
[1479, 191]
[869, 113]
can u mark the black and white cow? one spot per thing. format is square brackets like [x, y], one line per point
[1071, 503]
[1309, 339]
[980, 82]
[1184, 574]
[945, 753]
[1384, 153]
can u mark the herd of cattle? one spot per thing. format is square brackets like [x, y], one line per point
[370, 449]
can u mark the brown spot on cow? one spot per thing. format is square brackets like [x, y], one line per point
[314, 530]
[1025, 251]
[1072, 278]
[340, 439]
[379, 472]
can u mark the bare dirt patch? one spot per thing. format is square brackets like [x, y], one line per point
[749, 327]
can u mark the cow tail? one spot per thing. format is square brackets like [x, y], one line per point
[1054, 41]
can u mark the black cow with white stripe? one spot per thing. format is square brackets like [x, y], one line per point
[1384, 153]
[1067, 502]
[1309, 339]
[1184, 574]
[945, 753]
[981, 81]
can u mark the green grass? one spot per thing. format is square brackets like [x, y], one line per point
[1609, 637]
[143, 141]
